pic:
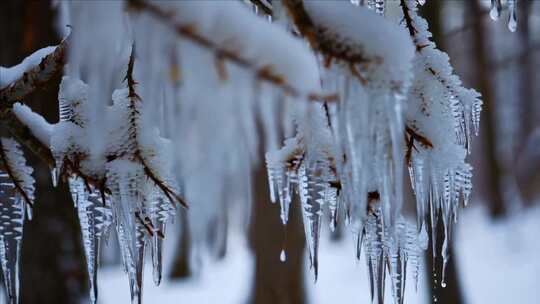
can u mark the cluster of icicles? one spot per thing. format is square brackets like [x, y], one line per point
[347, 158]
[496, 9]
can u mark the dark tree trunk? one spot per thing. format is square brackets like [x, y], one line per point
[276, 282]
[53, 268]
[451, 293]
[488, 133]
[181, 268]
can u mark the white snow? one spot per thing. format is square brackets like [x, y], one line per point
[369, 34]
[226, 281]
[10, 75]
[35, 122]
[233, 27]
[499, 260]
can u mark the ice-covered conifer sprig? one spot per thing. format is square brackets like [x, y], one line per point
[465, 103]
[132, 144]
[14, 164]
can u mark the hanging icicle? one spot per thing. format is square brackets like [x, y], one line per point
[16, 199]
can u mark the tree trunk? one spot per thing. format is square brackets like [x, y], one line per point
[451, 293]
[488, 132]
[181, 268]
[276, 282]
[53, 269]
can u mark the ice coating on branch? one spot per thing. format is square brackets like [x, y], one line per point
[16, 193]
[10, 75]
[438, 105]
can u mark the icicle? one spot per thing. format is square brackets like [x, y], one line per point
[55, 176]
[512, 18]
[380, 6]
[161, 211]
[16, 197]
[95, 217]
[11, 225]
[311, 211]
[495, 11]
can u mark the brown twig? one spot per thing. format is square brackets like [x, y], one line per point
[133, 121]
[411, 138]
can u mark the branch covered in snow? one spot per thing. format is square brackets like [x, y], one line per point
[33, 72]
[20, 81]
[357, 38]
[227, 29]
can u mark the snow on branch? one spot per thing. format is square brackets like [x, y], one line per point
[234, 34]
[357, 38]
[14, 165]
[20, 81]
[33, 72]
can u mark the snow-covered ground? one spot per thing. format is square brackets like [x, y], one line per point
[499, 263]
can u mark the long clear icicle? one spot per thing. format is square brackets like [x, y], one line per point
[496, 8]
[512, 17]
[95, 218]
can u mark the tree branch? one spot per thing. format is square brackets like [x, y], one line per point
[36, 77]
[189, 32]
[12, 177]
[24, 135]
